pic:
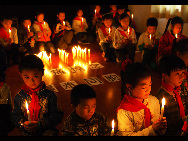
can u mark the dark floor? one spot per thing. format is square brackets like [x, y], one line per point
[108, 94]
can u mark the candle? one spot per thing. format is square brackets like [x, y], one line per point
[95, 12]
[44, 23]
[89, 53]
[132, 16]
[28, 28]
[112, 132]
[10, 33]
[150, 37]
[82, 20]
[162, 108]
[109, 30]
[28, 113]
[128, 30]
[63, 23]
[176, 35]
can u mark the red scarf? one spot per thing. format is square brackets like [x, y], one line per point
[61, 32]
[77, 18]
[4, 34]
[103, 28]
[1, 84]
[98, 15]
[123, 32]
[133, 105]
[41, 28]
[34, 106]
[178, 98]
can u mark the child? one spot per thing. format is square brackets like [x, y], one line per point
[139, 112]
[120, 10]
[172, 69]
[63, 34]
[84, 121]
[166, 41]
[124, 40]
[25, 36]
[9, 41]
[106, 34]
[148, 43]
[132, 23]
[79, 25]
[42, 32]
[42, 103]
[113, 10]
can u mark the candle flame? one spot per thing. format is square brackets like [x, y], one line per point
[26, 105]
[113, 124]
[132, 16]
[163, 101]
[128, 30]
[176, 35]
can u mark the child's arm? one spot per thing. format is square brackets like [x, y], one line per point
[164, 47]
[102, 37]
[118, 40]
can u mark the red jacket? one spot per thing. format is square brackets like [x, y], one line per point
[165, 44]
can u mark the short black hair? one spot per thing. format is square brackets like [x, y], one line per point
[152, 22]
[169, 63]
[31, 62]
[81, 91]
[124, 15]
[107, 16]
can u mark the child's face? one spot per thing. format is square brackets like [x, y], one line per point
[142, 89]
[125, 22]
[114, 7]
[86, 108]
[61, 16]
[80, 13]
[40, 18]
[32, 77]
[177, 28]
[151, 29]
[107, 22]
[26, 23]
[128, 13]
[175, 79]
[121, 11]
[97, 8]
[6, 24]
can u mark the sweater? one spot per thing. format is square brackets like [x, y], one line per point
[133, 124]
[77, 21]
[49, 115]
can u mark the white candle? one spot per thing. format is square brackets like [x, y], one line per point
[10, 33]
[162, 108]
[109, 30]
[132, 16]
[176, 35]
[150, 37]
[112, 132]
[128, 30]
[28, 28]
[28, 113]
[89, 53]
[64, 23]
[95, 12]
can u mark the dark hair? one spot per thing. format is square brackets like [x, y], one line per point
[120, 7]
[173, 21]
[152, 22]
[81, 91]
[181, 46]
[132, 74]
[107, 16]
[169, 63]
[31, 62]
[39, 12]
[124, 15]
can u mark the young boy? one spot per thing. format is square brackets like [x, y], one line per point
[9, 41]
[124, 40]
[172, 69]
[25, 36]
[63, 34]
[106, 34]
[42, 32]
[148, 43]
[79, 25]
[84, 121]
[113, 10]
[42, 103]
[116, 16]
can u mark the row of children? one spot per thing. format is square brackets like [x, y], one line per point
[138, 113]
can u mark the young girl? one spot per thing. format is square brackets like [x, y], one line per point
[124, 40]
[139, 112]
[166, 41]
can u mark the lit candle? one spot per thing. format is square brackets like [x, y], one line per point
[109, 30]
[150, 37]
[10, 33]
[82, 20]
[95, 12]
[28, 113]
[63, 23]
[176, 35]
[128, 30]
[112, 132]
[89, 53]
[132, 16]
[28, 28]
[44, 23]
[162, 108]
[67, 57]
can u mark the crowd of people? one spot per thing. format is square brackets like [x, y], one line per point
[138, 113]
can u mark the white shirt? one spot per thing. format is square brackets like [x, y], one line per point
[76, 25]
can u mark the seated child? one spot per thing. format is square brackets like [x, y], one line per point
[139, 112]
[84, 121]
[42, 32]
[132, 23]
[9, 41]
[63, 34]
[124, 40]
[25, 36]
[116, 17]
[172, 69]
[5, 107]
[148, 43]
[166, 41]
[113, 10]
[79, 25]
[106, 34]
[42, 102]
